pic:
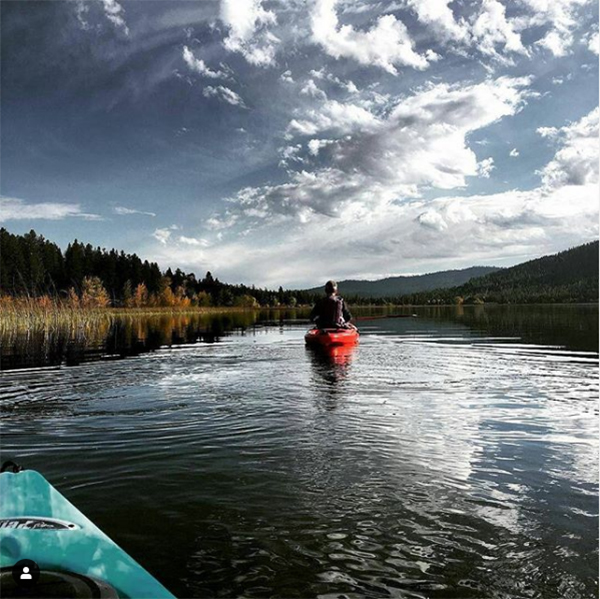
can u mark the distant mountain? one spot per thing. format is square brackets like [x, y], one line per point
[396, 286]
[569, 276]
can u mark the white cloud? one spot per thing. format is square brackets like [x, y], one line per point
[354, 212]
[434, 220]
[17, 209]
[513, 153]
[199, 66]
[123, 210]
[163, 235]
[491, 29]
[249, 34]
[576, 161]
[335, 116]
[115, 14]
[376, 160]
[311, 89]
[387, 44]
[551, 23]
[316, 145]
[560, 16]
[290, 154]
[81, 11]
[219, 222]
[418, 236]
[223, 93]
[322, 74]
[594, 43]
[485, 167]
[438, 15]
[193, 241]
[287, 76]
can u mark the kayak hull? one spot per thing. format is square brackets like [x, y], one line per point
[39, 524]
[331, 337]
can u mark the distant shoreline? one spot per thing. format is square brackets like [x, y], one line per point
[55, 309]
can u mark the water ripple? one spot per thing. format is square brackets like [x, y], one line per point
[426, 464]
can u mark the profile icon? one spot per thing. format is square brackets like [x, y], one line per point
[25, 573]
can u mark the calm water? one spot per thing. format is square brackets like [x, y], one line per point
[450, 455]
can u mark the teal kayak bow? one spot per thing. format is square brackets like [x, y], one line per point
[37, 523]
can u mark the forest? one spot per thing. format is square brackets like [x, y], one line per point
[570, 276]
[93, 277]
[84, 276]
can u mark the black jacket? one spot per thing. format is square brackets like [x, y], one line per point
[330, 313]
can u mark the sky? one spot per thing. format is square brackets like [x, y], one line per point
[289, 142]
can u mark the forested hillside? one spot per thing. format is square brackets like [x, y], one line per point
[569, 276]
[401, 285]
[85, 276]
[95, 277]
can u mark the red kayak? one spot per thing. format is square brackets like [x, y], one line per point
[328, 337]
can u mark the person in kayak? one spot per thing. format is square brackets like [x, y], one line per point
[331, 312]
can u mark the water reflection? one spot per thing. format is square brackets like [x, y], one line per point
[446, 456]
[108, 337]
[120, 336]
[331, 367]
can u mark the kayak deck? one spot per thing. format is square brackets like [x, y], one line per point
[37, 523]
[330, 337]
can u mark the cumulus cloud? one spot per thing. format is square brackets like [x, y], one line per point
[223, 93]
[420, 142]
[17, 209]
[163, 235]
[287, 76]
[560, 17]
[249, 33]
[123, 210]
[115, 14]
[81, 11]
[418, 236]
[311, 89]
[576, 161]
[491, 29]
[111, 9]
[438, 15]
[193, 241]
[323, 75]
[339, 117]
[316, 145]
[433, 219]
[199, 66]
[548, 24]
[513, 153]
[387, 44]
[354, 206]
[485, 167]
[594, 43]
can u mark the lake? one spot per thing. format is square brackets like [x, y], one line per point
[451, 454]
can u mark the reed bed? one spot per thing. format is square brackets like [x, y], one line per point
[20, 314]
[24, 314]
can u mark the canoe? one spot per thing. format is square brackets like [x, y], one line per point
[37, 523]
[329, 337]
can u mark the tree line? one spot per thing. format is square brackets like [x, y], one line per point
[88, 276]
[570, 276]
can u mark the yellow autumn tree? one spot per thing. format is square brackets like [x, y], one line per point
[93, 294]
[140, 296]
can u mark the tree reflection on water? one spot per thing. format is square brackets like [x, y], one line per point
[120, 336]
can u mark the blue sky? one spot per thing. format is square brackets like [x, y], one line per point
[291, 142]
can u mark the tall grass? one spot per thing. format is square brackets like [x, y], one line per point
[26, 313]
[51, 313]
